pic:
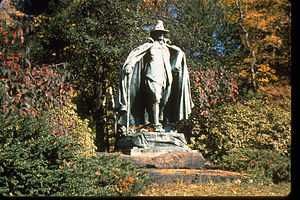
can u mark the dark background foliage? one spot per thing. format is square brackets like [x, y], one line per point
[62, 51]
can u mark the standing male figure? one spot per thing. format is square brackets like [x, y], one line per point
[155, 77]
[158, 75]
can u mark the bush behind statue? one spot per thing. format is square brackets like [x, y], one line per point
[255, 127]
[254, 124]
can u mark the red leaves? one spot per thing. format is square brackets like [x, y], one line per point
[40, 82]
[211, 87]
[11, 35]
[29, 88]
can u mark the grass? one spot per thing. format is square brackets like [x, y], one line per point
[236, 188]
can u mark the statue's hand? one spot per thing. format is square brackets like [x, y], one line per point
[175, 48]
[129, 68]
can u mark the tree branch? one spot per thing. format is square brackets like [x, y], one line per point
[253, 63]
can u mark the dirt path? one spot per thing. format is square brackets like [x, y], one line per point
[192, 176]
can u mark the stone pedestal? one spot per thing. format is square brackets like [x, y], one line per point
[159, 142]
[163, 150]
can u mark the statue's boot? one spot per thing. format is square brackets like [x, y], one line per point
[156, 115]
[161, 113]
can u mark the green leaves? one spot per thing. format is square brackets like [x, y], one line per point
[249, 124]
[262, 166]
[35, 162]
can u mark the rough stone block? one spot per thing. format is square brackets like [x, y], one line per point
[170, 160]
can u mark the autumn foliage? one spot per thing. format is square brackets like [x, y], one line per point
[212, 87]
[47, 144]
[268, 25]
[25, 87]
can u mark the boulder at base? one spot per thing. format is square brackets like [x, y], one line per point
[169, 160]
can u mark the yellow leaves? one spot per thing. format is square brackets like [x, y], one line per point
[40, 20]
[264, 68]
[264, 73]
[36, 24]
[79, 129]
[40, 35]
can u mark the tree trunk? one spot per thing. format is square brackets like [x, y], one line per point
[99, 116]
[253, 63]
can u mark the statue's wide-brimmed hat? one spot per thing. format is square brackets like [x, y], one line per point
[159, 27]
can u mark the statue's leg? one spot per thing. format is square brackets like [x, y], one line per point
[122, 123]
[156, 93]
[164, 100]
[155, 109]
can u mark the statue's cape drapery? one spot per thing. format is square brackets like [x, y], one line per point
[180, 103]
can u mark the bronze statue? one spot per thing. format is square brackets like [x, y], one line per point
[154, 86]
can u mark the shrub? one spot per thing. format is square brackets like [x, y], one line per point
[105, 175]
[263, 166]
[211, 87]
[254, 124]
[37, 163]
[77, 129]
[28, 88]
[30, 156]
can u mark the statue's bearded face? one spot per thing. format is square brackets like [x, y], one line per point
[158, 35]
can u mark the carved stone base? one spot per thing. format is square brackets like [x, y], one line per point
[162, 142]
[159, 150]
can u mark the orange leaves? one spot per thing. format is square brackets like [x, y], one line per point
[97, 173]
[274, 40]
[8, 12]
[124, 186]
[268, 25]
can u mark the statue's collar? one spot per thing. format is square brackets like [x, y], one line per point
[166, 41]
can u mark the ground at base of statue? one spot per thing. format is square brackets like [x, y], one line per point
[172, 167]
[193, 176]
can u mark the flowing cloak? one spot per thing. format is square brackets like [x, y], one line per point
[179, 104]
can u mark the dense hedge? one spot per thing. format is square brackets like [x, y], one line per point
[254, 124]
[253, 136]
[35, 162]
[261, 165]
[75, 127]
